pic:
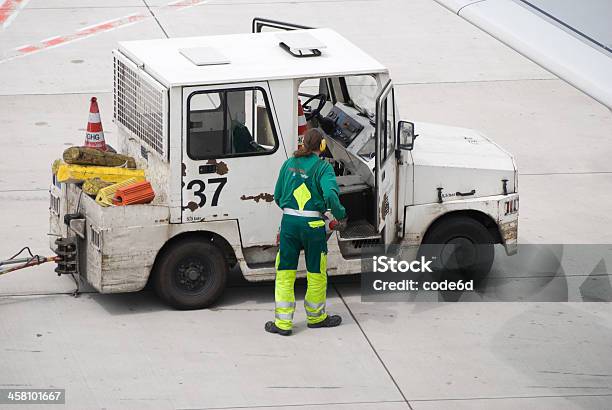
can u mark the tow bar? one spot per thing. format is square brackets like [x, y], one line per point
[66, 259]
[32, 260]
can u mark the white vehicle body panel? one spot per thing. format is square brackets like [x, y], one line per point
[253, 57]
[420, 217]
[458, 160]
[248, 182]
[122, 242]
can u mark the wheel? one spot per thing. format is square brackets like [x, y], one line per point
[191, 274]
[460, 246]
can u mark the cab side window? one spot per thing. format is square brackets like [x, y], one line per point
[230, 123]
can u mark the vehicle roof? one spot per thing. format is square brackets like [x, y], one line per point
[252, 57]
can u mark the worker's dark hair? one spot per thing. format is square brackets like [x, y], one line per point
[312, 142]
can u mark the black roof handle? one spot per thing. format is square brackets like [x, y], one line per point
[259, 23]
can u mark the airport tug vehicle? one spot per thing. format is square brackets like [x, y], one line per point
[211, 120]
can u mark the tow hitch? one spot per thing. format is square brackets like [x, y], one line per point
[8, 265]
[66, 259]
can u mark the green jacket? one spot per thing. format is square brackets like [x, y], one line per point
[308, 183]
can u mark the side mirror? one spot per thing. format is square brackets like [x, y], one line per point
[406, 135]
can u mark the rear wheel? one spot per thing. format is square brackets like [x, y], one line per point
[191, 274]
[460, 246]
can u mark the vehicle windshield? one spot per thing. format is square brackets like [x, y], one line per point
[362, 90]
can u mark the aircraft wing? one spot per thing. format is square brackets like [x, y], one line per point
[570, 38]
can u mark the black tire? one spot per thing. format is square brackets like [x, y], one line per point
[460, 246]
[191, 274]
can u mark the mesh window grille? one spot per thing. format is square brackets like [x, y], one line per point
[140, 104]
[55, 204]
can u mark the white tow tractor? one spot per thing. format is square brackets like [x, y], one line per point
[211, 119]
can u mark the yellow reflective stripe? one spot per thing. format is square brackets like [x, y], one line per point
[302, 195]
[316, 224]
[315, 314]
[283, 289]
[314, 306]
[323, 264]
[280, 305]
[314, 301]
[288, 311]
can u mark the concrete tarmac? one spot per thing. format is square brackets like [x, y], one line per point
[130, 351]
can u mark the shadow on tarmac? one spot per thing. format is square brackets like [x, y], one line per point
[542, 273]
[238, 294]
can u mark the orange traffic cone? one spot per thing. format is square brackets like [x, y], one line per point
[302, 124]
[94, 137]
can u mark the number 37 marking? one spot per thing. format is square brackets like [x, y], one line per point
[198, 187]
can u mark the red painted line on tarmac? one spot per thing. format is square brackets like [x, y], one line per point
[9, 9]
[184, 3]
[91, 30]
[54, 42]
[28, 49]
[78, 35]
[110, 25]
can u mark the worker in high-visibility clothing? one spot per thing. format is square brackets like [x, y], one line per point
[306, 188]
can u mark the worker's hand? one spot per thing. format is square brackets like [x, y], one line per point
[341, 225]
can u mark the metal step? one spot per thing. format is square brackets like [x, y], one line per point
[359, 230]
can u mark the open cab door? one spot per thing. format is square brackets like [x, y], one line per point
[386, 168]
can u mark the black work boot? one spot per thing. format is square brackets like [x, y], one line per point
[330, 321]
[272, 328]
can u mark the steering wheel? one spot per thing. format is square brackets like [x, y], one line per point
[309, 112]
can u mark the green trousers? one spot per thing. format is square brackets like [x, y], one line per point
[297, 233]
